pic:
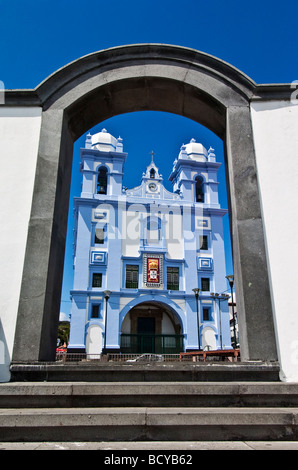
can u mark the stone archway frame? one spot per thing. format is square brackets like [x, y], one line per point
[126, 79]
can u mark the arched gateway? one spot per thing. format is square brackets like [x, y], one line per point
[121, 80]
[151, 327]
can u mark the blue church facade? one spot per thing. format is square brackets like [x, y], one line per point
[147, 260]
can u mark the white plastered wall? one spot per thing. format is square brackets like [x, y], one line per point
[275, 130]
[19, 138]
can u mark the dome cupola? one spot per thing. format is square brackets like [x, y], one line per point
[194, 151]
[105, 142]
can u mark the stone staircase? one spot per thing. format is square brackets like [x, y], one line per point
[183, 409]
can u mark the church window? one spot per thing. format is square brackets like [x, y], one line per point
[205, 284]
[203, 242]
[102, 181]
[99, 236]
[97, 280]
[95, 311]
[153, 230]
[199, 189]
[132, 276]
[173, 278]
[206, 314]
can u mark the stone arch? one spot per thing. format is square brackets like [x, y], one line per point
[163, 333]
[154, 299]
[135, 78]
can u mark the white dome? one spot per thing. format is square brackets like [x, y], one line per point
[103, 141]
[196, 151]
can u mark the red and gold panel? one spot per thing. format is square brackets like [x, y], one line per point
[153, 270]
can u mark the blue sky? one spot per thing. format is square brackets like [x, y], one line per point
[39, 36]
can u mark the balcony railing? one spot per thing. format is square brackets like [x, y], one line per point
[149, 343]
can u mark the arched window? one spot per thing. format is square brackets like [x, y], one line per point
[199, 189]
[102, 181]
[152, 173]
[153, 230]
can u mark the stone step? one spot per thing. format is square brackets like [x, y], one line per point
[148, 424]
[144, 449]
[147, 394]
[96, 371]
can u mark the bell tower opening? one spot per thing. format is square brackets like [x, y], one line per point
[102, 181]
[199, 189]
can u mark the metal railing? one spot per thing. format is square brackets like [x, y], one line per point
[113, 357]
[151, 343]
[65, 357]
